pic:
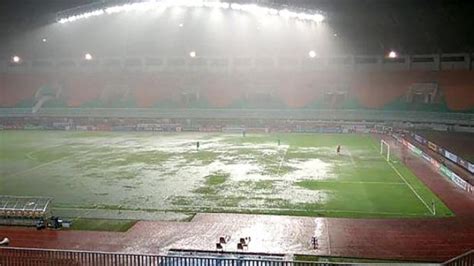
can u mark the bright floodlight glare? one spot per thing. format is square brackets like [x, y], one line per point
[16, 59]
[192, 54]
[178, 6]
[181, 25]
[44, 40]
[318, 18]
[88, 56]
[225, 5]
[312, 54]
[392, 54]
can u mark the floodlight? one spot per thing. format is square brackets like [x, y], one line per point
[318, 18]
[16, 59]
[235, 6]
[302, 16]
[273, 11]
[312, 54]
[392, 54]
[225, 5]
[88, 56]
[284, 13]
[178, 5]
[192, 54]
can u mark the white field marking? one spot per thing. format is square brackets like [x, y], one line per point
[404, 180]
[30, 156]
[42, 165]
[329, 237]
[282, 159]
[410, 186]
[57, 160]
[358, 182]
[186, 208]
[85, 213]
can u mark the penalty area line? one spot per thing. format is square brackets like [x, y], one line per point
[411, 187]
[30, 156]
[404, 180]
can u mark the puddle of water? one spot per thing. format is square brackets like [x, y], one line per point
[308, 169]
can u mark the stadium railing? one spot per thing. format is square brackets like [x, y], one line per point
[307, 114]
[466, 259]
[33, 257]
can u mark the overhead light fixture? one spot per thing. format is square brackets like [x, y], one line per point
[392, 54]
[16, 59]
[257, 10]
[88, 57]
[318, 18]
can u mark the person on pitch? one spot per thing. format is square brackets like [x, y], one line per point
[338, 149]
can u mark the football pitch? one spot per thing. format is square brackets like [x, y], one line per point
[144, 175]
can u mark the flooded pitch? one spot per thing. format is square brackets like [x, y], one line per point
[165, 176]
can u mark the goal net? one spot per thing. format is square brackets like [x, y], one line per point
[385, 149]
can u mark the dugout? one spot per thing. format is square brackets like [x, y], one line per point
[27, 211]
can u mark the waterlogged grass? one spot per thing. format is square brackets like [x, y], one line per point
[263, 185]
[229, 173]
[213, 183]
[205, 157]
[182, 201]
[216, 179]
[113, 225]
[206, 190]
[378, 200]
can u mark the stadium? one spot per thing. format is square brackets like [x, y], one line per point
[269, 132]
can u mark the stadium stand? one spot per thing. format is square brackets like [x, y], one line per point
[299, 91]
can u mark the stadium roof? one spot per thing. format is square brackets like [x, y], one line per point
[370, 26]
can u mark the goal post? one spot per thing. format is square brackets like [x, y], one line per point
[385, 148]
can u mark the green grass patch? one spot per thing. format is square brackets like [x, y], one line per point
[206, 190]
[205, 157]
[264, 185]
[182, 201]
[212, 183]
[111, 225]
[216, 179]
